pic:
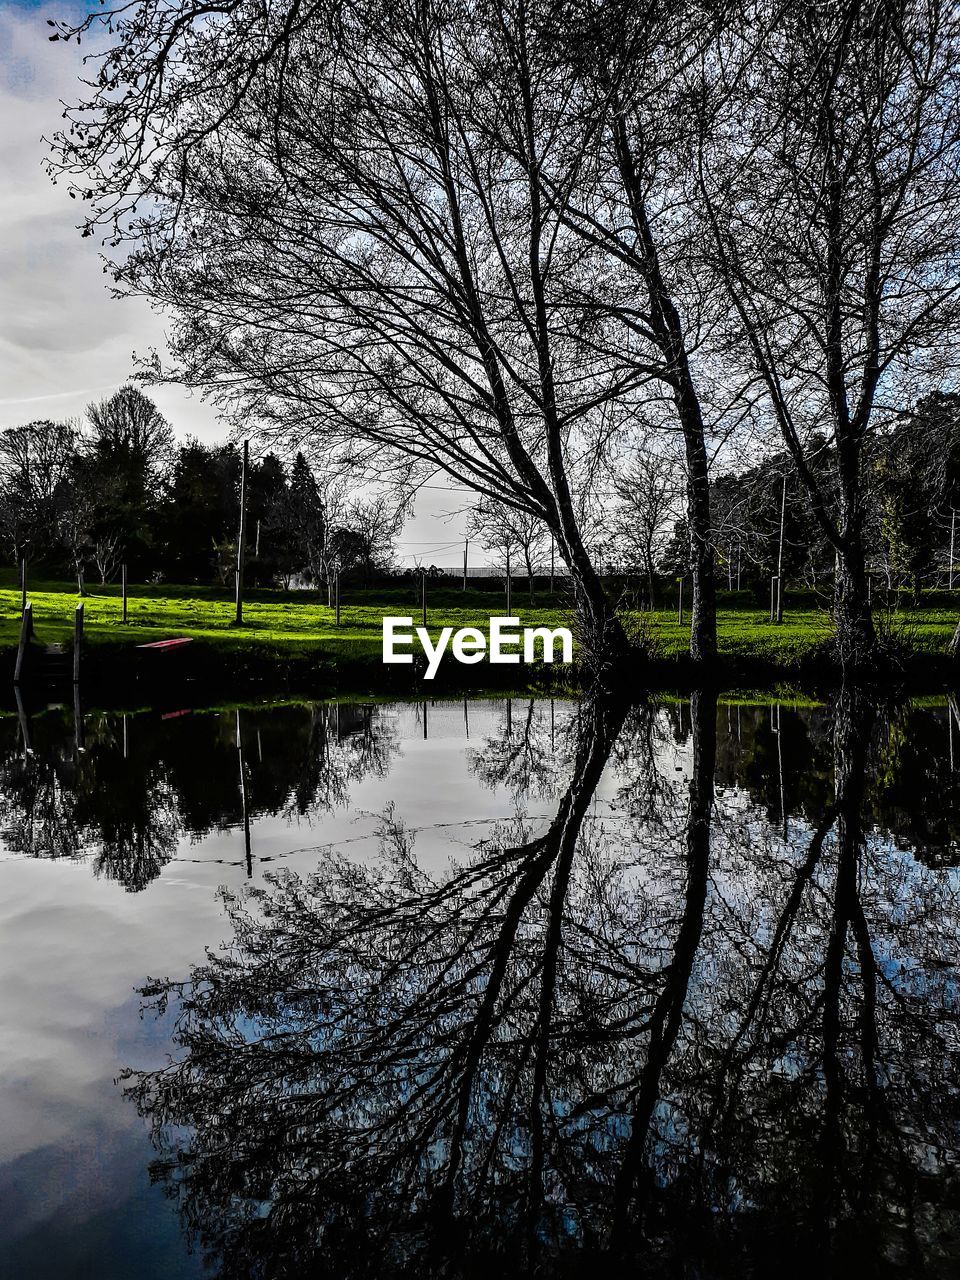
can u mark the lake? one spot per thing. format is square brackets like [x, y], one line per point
[490, 987]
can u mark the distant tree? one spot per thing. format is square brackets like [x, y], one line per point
[199, 512]
[648, 496]
[306, 523]
[130, 451]
[507, 532]
[918, 481]
[37, 462]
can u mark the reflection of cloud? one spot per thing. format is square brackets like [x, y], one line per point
[62, 337]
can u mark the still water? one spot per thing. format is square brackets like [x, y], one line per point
[486, 988]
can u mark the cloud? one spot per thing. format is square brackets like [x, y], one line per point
[63, 338]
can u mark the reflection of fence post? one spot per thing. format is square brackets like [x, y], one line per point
[26, 631]
[77, 641]
[123, 585]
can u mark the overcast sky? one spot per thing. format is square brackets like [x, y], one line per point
[63, 339]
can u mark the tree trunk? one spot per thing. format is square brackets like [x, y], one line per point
[650, 602]
[703, 622]
[601, 635]
[856, 637]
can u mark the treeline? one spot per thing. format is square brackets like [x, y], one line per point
[82, 498]
[764, 524]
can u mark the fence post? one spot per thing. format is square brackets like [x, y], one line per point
[123, 583]
[77, 641]
[26, 631]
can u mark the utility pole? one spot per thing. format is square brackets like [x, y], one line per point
[553, 547]
[466, 548]
[783, 517]
[241, 536]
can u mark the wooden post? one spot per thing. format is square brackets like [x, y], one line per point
[123, 586]
[680, 603]
[23, 583]
[26, 631]
[241, 535]
[336, 595]
[508, 582]
[953, 535]
[77, 641]
[466, 548]
[423, 596]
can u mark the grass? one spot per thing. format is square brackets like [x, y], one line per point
[298, 625]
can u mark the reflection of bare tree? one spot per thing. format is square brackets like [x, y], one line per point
[532, 750]
[708, 1049]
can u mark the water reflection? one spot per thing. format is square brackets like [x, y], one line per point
[125, 790]
[709, 1029]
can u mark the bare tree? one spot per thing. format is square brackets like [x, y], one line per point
[36, 469]
[649, 502]
[511, 535]
[349, 217]
[829, 197]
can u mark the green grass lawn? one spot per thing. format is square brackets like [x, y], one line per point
[298, 623]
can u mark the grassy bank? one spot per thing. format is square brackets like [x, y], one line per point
[297, 632]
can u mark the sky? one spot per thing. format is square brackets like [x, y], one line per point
[64, 341]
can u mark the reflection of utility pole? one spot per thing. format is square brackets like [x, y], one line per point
[783, 806]
[77, 720]
[243, 800]
[424, 719]
[23, 722]
[466, 720]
